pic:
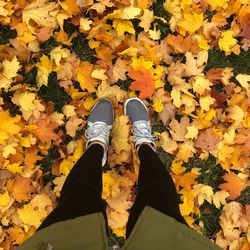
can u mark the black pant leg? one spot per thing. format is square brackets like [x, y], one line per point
[155, 189]
[82, 190]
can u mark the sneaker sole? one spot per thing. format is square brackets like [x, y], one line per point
[133, 98]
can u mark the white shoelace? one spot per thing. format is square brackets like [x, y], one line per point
[97, 129]
[142, 129]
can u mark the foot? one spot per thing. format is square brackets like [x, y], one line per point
[141, 129]
[99, 124]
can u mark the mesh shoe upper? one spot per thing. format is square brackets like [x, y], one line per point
[99, 124]
[141, 129]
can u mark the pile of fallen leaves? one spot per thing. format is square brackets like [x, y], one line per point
[189, 60]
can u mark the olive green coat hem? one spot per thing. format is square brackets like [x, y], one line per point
[153, 230]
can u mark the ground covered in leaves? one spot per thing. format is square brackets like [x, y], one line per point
[189, 60]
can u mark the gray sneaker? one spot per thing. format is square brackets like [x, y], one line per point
[136, 110]
[99, 124]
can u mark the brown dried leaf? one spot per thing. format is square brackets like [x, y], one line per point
[207, 140]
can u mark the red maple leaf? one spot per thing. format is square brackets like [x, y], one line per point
[143, 82]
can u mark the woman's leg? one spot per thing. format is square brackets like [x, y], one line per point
[82, 190]
[155, 189]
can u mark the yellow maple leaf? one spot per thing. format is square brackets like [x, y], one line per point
[44, 69]
[190, 23]
[146, 19]
[138, 63]
[244, 80]
[217, 4]
[236, 113]
[206, 102]
[227, 41]
[169, 145]
[129, 12]
[84, 77]
[123, 26]
[104, 90]
[10, 68]
[154, 34]
[89, 103]
[69, 110]
[201, 84]
[204, 118]
[186, 151]
[172, 6]
[107, 183]
[85, 23]
[30, 215]
[120, 134]
[15, 168]
[9, 71]
[158, 105]
[99, 74]
[65, 166]
[41, 12]
[192, 132]
[59, 181]
[177, 167]
[220, 198]
[187, 198]
[70, 6]
[101, 5]
[203, 192]
[4, 199]
[59, 53]
[3, 11]
[8, 125]
[24, 100]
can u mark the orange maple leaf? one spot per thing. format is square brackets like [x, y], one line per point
[182, 45]
[143, 82]
[186, 181]
[21, 188]
[234, 185]
[31, 157]
[84, 77]
[45, 131]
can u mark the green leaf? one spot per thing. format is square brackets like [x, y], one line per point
[48, 45]
[210, 171]
[210, 217]
[81, 47]
[6, 33]
[159, 10]
[54, 93]
[47, 162]
[240, 63]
